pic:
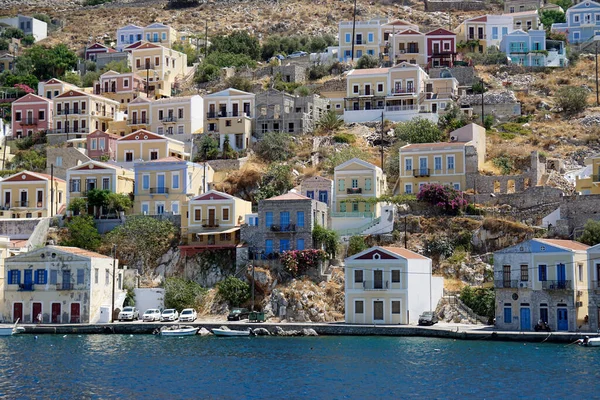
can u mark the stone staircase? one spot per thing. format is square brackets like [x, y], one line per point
[360, 229]
[452, 309]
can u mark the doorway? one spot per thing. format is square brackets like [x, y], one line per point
[36, 309]
[55, 313]
[525, 319]
[75, 313]
[378, 279]
[562, 316]
[17, 312]
[378, 311]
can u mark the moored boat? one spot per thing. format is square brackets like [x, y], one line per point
[228, 332]
[9, 330]
[178, 331]
[587, 342]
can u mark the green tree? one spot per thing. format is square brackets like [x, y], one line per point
[572, 99]
[418, 130]
[275, 146]
[492, 56]
[32, 160]
[481, 301]
[327, 239]
[119, 202]
[4, 44]
[82, 233]
[392, 162]
[591, 233]
[228, 151]
[207, 73]
[208, 148]
[356, 244]
[234, 291]
[117, 66]
[550, 17]
[239, 83]
[367, 61]
[28, 40]
[78, 206]
[12, 33]
[7, 78]
[99, 199]
[142, 239]
[51, 62]
[564, 4]
[276, 181]
[189, 51]
[221, 60]
[452, 119]
[72, 78]
[239, 42]
[181, 293]
[43, 17]
[89, 78]
[330, 122]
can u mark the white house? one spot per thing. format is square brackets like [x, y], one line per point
[389, 285]
[29, 26]
[129, 34]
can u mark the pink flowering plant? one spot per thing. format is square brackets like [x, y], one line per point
[23, 87]
[297, 262]
[444, 197]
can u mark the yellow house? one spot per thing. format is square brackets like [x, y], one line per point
[7, 61]
[353, 180]
[175, 115]
[31, 195]
[54, 87]
[367, 38]
[144, 145]
[589, 181]
[98, 175]
[166, 184]
[212, 221]
[525, 20]
[408, 46]
[230, 113]
[446, 162]
[160, 33]
[121, 87]
[138, 114]
[479, 33]
[160, 66]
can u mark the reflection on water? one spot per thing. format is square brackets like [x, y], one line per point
[123, 366]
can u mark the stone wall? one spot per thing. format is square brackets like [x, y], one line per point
[454, 5]
[574, 213]
[464, 75]
[19, 228]
[228, 165]
[70, 157]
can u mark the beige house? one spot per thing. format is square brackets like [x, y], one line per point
[62, 284]
[160, 66]
[408, 46]
[166, 184]
[29, 194]
[121, 87]
[98, 175]
[354, 180]
[160, 33]
[212, 221]
[399, 93]
[54, 87]
[138, 115]
[174, 116]
[144, 145]
[229, 114]
[389, 285]
[525, 20]
[444, 162]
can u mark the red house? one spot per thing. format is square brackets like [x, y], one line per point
[101, 144]
[441, 48]
[95, 49]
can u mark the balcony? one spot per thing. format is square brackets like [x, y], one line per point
[410, 90]
[159, 190]
[421, 172]
[70, 112]
[223, 114]
[64, 286]
[354, 190]
[210, 223]
[26, 287]
[21, 203]
[169, 119]
[502, 284]
[283, 228]
[376, 285]
[413, 107]
[68, 131]
[481, 36]
[556, 285]
[442, 52]
[138, 121]
[519, 50]
[370, 92]
[28, 121]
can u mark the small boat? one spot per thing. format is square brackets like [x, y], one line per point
[587, 342]
[9, 330]
[228, 332]
[176, 330]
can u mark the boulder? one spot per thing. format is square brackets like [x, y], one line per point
[262, 279]
[261, 332]
[204, 332]
[309, 332]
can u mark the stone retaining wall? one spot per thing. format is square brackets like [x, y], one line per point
[454, 5]
[227, 165]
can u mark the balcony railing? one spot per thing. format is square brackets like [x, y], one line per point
[28, 121]
[370, 92]
[376, 285]
[221, 114]
[159, 190]
[26, 287]
[139, 121]
[351, 214]
[421, 172]
[524, 49]
[476, 37]
[169, 119]
[403, 91]
[595, 178]
[69, 131]
[353, 190]
[210, 223]
[506, 284]
[283, 228]
[21, 204]
[556, 285]
[70, 112]
[402, 108]
[64, 286]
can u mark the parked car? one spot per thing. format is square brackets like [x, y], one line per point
[129, 314]
[170, 314]
[188, 315]
[428, 318]
[297, 54]
[152, 314]
[238, 314]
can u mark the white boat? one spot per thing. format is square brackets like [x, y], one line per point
[589, 342]
[228, 332]
[9, 330]
[178, 331]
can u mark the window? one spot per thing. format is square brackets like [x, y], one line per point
[269, 219]
[175, 181]
[367, 183]
[504, 31]
[96, 273]
[355, 207]
[408, 188]
[371, 52]
[358, 276]
[180, 113]
[164, 36]
[367, 207]
[58, 161]
[18, 116]
[354, 183]
[145, 182]
[542, 273]
[41, 115]
[507, 314]
[355, 89]
[341, 184]
[408, 164]
[371, 37]
[268, 246]
[14, 277]
[198, 214]
[437, 163]
[80, 276]
[106, 277]
[576, 36]
[395, 276]
[145, 208]
[450, 161]
[580, 272]
[495, 32]
[129, 156]
[105, 183]
[41, 277]
[225, 214]
[93, 143]
[300, 244]
[284, 245]
[456, 186]
[228, 122]
[101, 144]
[380, 87]
[597, 17]
[575, 18]
[76, 185]
[348, 37]
[524, 273]
[53, 276]
[359, 307]
[300, 219]
[225, 237]
[342, 207]
[395, 307]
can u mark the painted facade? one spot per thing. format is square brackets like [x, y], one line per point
[101, 145]
[531, 49]
[593, 255]
[589, 181]
[31, 195]
[389, 285]
[91, 52]
[31, 114]
[542, 279]
[53, 88]
[7, 62]
[357, 179]
[160, 66]
[176, 115]
[29, 26]
[123, 88]
[367, 38]
[79, 113]
[143, 145]
[583, 22]
[486, 31]
[229, 114]
[525, 20]
[128, 35]
[441, 48]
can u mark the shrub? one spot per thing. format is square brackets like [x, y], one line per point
[330, 122]
[208, 148]
[346, 154]
[298, 262]
[505, 163]
[28, 40]
[572, 99]
[326, 238]
[591, 233]
[78, 206]
[438, 247]
[72, 78]
[207, 73]
[275, 146]
[356, 244]
[481, 301]
[367, 61]
[89, 78]
[276, 181]
[12, 33]
[492, 56]
[234, 291]
[488, 121]
[344, 138]
[239, 83]
[418, 130]
[181, 293]
[443, 197]
[453, 119]
[237, 43]
[82, 233]
[317, 71]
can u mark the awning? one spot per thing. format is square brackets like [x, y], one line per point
[203, 232]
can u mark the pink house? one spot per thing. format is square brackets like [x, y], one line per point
[101, 144]
[123, 88]
[31, 114]
[95, 49]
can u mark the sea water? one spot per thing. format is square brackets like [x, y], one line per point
[335, 367]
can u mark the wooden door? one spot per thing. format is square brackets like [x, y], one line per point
[378, 311]
[75, 316]
[55, 313]
[36, 309]
[378, 279]
[211, 217]
[17, 312]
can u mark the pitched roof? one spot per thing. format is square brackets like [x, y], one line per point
[369, 71]
[213, 195]
[440, 31]
[385, 253]
[409, 32]
[404, 252]
[79, 252]
[483, 18]
[168, 159]
[141, 134]
[423, 146]
[399, 22]
[228, 92]
[31, 97]
[289, 196]
[28, 175]
[566, 244]
[358, 161]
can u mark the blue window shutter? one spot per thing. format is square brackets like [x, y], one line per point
[507, 315]
[268, 219]
[300, 244]
[300, 218]
[310, 194]
[45, 276]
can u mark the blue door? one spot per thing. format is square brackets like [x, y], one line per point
[562, 317]
[525, 319]
[155, 37]
[561, 275]
[28, 279]
[268, 247]
[284, 245]
[284, 220]
[323, 196]
[160, 183]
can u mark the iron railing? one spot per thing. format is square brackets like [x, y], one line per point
[557, 285]
[376, 285]
[64, 286]
[421, 172]
[159, 190]
[210, 223]
[26, 287]
[283, 228]
[506, 284]
[21, 203]
[28, 121]
[353, 190]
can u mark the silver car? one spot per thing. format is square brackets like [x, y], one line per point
[152, 314]
[170, 314]
[188, 315]
[129, 314]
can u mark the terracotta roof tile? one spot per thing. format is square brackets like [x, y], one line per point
[80, 252]
[289, 196]
[567, 244]
[405, 253]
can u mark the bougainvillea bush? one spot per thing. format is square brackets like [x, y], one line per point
[24, 87]
[297, 262]
[444, 197]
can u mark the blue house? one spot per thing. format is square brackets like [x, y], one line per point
[583, 22]
[542, 280]
[531, 49]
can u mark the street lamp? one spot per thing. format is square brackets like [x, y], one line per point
[596, 39]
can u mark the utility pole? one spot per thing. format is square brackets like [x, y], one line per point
[482, 109]
[112, 308]
[597, 97]
[382, 139]
[405, 239]
[52, 190]
[353, 28]
[205, 39]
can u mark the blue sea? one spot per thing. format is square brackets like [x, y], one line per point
[153, 367]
